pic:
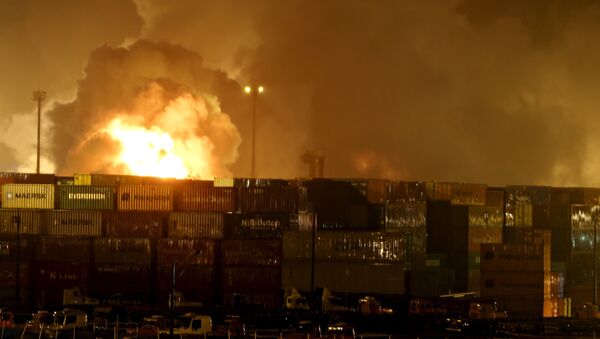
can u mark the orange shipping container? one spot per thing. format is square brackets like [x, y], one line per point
[144, 198]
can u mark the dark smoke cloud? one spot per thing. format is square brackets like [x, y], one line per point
[492, 91]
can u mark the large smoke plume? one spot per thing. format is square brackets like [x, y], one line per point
[499, 92]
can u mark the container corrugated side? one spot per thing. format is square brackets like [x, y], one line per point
[254, 252]
[64, 249]
[494, 196]
[258, 225]
[144, 198]
[86, 197]
[8, 248]
[514, 258]
[251, 279]
[199, 197]
[28, 178]
[469, 194]
[123, 251]
[134, 224]
[29, 196]
[361, 246]
[74, 223]
[271, 199]
[195, 282]
[186, 251]
[528, 194]
[400, 215]
[196, 225]
[131, 281]
[485, 216]
[9, 278]
[29, 221]
[483, 235]
[407, 191]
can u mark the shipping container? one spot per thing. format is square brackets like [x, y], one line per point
[187, 251]
[64, 249]
[134, 224]
[133, 282]
[304, 222]
[195, 282]
[8, 275]
[30, 196]
[528, 195]
[519, 215]
[251, 279]
[64, 180]
[585, 196]
[86, 197]
[584, 216]
[557, 307]
[402, 215]
[522, 293]
[208, 225]
[345, 277]
[51, 279]
[74, 223]
[557, 285]
[439, 190]
[560, 196]
[272, 199]
[29, 222]
[469, 194]
[374, 190]
[343, 217]
[474, 284]
[27, 178]
[474, 260]
[407, 192]
[114, 180]
[494, 197]
[252, 252]
[514, 257]
[485, 216]
[123, 251]
[144, 198]
[202, 196]
[258, 225]
[327, 193]
[346, 246]
[8, 248]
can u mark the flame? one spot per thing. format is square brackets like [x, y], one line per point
[147, 152]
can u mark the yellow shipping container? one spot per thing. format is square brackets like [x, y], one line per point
[31, 196]
[82, 179]
[144, 198]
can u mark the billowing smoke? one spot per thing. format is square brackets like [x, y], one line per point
[146, 109]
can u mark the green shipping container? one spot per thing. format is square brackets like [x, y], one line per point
[80, 197]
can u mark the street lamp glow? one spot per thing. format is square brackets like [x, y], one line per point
[248, 89]
[261, 89]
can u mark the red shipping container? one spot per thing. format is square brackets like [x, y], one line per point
[272, 199]
[61, 275]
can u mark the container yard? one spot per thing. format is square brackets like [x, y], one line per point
[529, 247]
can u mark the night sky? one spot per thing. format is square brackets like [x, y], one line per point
[483, 91]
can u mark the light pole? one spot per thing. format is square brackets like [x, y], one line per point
[16, 220]
[39, 96]
[254, 91]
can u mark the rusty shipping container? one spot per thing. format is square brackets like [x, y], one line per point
[134, 224]
[86, 197]
[29, 196]
[29, 222]
[195, 282]
[439, 190]
[485, 216]
[204, 197]
[252, 279]
[196, 225]
[340, 277]
[187, 251]
[74, 223]
[514, 257]
[123, 251]
[258, 225]
[251, 252]
[469, 194]
[144, 198]
[8, 248]
[64, 249]
[400, 215]
[272, 199]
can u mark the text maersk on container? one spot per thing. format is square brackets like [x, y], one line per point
[10, 195]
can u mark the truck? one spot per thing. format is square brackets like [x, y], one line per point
[330, 303]
[67, 320]
[182, 305]
[190, 324]
[294, 301]
[370, 306]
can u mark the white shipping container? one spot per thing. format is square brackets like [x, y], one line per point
[30, 196]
